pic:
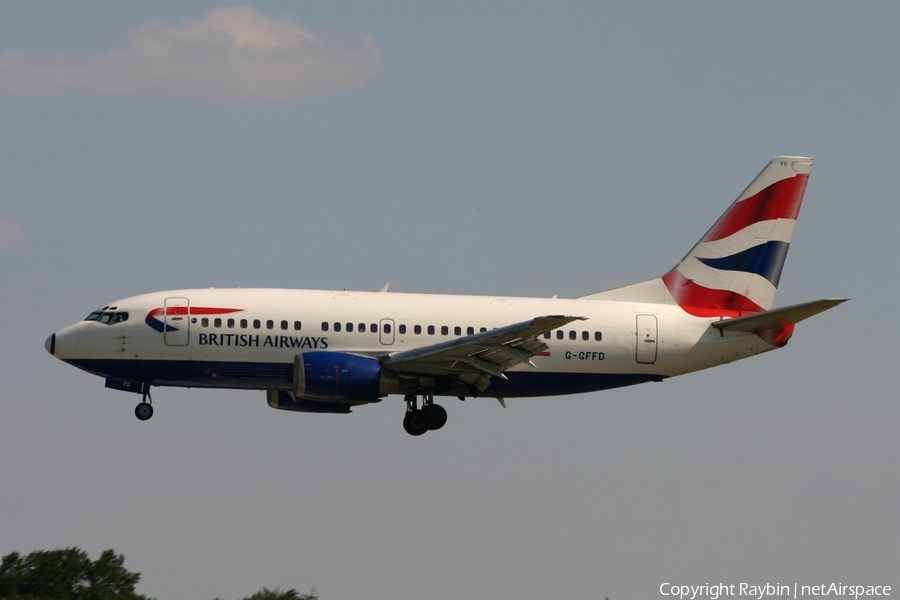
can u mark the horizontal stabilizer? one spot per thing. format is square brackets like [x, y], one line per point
[779, 317]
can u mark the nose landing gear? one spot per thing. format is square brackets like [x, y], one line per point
[431, 416]
[144, 410]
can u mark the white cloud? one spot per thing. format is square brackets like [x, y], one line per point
[12, 233]
[232, 54]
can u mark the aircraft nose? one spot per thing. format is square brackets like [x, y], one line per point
[50, 344]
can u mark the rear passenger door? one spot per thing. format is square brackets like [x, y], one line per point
[647, 333]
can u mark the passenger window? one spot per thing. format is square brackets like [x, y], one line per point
[482, 330]
[457, 331]
[284, 325]
[243, 323]
[417, 329]
[297, 325]
[559, 334]
[349, 327]
[204, 322]
[470, 331]
[256, 324]
[217, 322]
[270, 324]
[324, 325]
[573, 335]
[373, 328]
[445, 330]
[598, 336]
[362, 328]
[547, 335]
[230, 323]
[402, 329]
[337, 327]
[431, 330]
[387, 327]
[585, 335]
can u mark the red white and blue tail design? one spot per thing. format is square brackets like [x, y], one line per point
[735, 268]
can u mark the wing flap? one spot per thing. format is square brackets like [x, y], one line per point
[471, 358]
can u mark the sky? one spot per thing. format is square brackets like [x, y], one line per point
[514, 148]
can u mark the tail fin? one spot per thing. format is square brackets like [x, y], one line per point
[735, 268]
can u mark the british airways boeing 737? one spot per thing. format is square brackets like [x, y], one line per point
[327, 351]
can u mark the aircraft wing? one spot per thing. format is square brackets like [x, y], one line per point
[472, 358]
[779, 317]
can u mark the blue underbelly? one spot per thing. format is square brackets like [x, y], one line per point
[259, 375]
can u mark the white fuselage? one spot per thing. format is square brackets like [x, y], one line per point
[249, 338]
[326, 351]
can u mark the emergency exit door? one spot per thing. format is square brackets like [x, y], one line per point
[647, 333]
[386, 331]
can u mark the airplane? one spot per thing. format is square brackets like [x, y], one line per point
[323, 351]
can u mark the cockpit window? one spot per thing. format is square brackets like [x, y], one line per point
[107, 317]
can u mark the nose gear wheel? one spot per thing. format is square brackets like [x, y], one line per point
[144, 410]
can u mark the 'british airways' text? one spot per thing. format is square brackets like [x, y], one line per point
[246, 340]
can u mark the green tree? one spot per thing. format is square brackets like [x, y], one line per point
[276, 594]
[67, 575]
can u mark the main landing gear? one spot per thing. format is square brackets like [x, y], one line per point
[144, 410]
[431, 416]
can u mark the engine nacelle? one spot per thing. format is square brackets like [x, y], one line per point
[285, 400]
[342, 377]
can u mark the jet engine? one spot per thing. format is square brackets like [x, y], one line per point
[341, 376]
[334, 381]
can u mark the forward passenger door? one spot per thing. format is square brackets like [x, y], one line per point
[178, 322]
